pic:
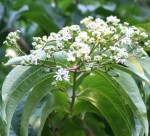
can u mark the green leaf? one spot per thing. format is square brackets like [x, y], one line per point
[15, 123]
[1, 10]
[35, 118]
[9, 83]
[59, 58]
[42, 20]
[105, 12]
[73, 127]
[2, 127]
[14, 61]
[56, 100]
[14, 16]
[145, 26]
[19, 81]
[84, 106]
[95, 125]
[131, 69]
[145, 64]
[81, 77]
[103, 96]
[136, 62]
[35, 96]
[129, 91]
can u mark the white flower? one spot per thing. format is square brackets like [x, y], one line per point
[78, 50]
[87, 58]
[115, 57]
[126, 40]
[12, 38]
[144, 35]
[120, 55]
[38, 42]
[85, 21]
[70, 57]
[33, 59]
[75, 28]
[54, 83]
[91, 40]
[83, 36]
[129, 32]
[65, 34]
[113, 48]
[62, 74]
[83, 51]
[113, 19]
[97, 58]
[100, 22]
[116, 36]
[140, 51]
[29, 59]
[121, 61]
[126, 23]
[44, 38]
[147, 43]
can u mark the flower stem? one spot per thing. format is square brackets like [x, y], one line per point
[19, 50]
[73, 91]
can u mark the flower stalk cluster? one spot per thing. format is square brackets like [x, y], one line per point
[96, 44]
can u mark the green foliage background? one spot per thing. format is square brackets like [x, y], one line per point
[40, 17]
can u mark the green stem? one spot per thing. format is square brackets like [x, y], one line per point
[131, 49]
[93, 48]
[19, 50]
[73, 91]
[65, 118]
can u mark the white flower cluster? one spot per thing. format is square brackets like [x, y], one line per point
[147, 43]
[97, 43]
[12, 38]
[34, 57]
[78, 50]
[118, 54]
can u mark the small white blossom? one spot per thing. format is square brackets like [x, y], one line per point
[78, 50]
[147, 43]
[65, 34]
[83, 36]
[126, 40]
[121, 61]
[112, 19]
[54, 83]
[140, 51]
[97, 58]
[85, 21]
[75, 28]
[129, 32]
[12, 38]
[126, 23]
[144, 35]
[70, 57]
[87, 58]
[62, 74]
